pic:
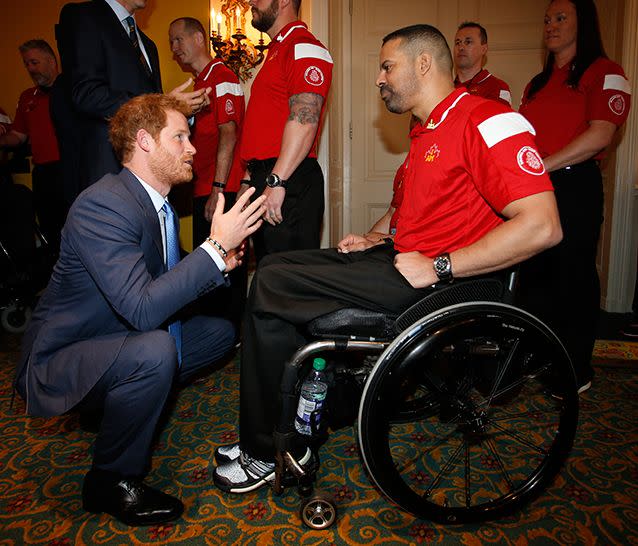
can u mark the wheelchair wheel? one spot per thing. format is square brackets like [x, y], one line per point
[318, 512]
[15, 318]
[469, 414]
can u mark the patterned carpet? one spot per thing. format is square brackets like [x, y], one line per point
[42, 462]
[615, 350]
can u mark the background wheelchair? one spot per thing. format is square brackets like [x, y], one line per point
[468, 410]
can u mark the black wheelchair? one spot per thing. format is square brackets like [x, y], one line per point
[468, 410]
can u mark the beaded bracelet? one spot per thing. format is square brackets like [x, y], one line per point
[219, 247]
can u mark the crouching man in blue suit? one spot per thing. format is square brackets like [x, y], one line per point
[107, 333]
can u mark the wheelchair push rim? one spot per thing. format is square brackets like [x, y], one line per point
[460, 419]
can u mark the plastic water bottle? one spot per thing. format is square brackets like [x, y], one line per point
[312, 397]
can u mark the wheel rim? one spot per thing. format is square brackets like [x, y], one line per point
[318, 513]
[480, 439]
[14, 318]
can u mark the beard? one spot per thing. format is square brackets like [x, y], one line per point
[393, 101]
[264, 20]
[169, 169]
[396, 100]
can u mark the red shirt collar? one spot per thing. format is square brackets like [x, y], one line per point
[477, 78]
[203, 75]
[285, 32]
[439, 113]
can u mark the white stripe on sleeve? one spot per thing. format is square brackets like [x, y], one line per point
[502, 126]
[311, 51]
[227, 88]
[503, 94]
[617, 83]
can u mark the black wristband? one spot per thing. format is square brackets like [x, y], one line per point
[219, 185]
[218, 246]
[245, 181]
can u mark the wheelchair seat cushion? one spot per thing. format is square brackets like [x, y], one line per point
[351, 322]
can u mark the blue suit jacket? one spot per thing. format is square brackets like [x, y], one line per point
[110, 280]
[102, 71]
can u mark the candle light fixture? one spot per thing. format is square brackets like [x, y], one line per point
[234, 47]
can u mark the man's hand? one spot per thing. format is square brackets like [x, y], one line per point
[231, 228]
[211, 204]
[354, 243]
[196, 100]
[274, 201]
[235, 257]
[416, 268]
[242, 189]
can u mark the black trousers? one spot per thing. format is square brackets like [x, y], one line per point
[288, 291]
[49, 202]
[302, 209]
[561, 285]
[225, 301]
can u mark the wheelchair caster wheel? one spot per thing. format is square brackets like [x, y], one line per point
[318, 512]
[15, 318]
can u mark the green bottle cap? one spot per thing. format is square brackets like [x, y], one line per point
[319, 364]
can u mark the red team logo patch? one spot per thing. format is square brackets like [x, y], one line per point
[314, 76]
[529, 160]
[230, 108]
[617, 104]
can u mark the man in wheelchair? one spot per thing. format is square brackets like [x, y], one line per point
[476, 199]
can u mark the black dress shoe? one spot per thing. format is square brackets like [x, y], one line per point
[128, 499]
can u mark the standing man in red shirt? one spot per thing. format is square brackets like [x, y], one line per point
[470, 48]
[217, 168]
[283, 120]
[33, 122]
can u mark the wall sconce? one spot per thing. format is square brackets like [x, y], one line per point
[236, 49]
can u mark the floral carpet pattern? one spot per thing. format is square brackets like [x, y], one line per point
[615, 350]
[43, 461]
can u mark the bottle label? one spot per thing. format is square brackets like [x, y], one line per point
[306, 407]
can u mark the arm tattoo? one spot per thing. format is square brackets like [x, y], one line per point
[305, 108]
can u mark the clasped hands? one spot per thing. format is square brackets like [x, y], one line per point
[274, 200]
[232, 228]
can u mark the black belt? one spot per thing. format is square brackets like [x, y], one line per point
[257, 164]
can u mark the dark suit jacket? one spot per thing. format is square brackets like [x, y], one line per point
[104, 71]
[110, 280]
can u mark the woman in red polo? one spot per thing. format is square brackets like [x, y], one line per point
[575, 104]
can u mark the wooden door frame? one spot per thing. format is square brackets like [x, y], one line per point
[624, 237]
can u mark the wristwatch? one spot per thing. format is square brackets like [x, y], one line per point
[274, 181]
[443, 267]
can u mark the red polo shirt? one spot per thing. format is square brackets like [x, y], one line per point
[397, 194]
[488, 86]
[466, 163]
[560, 113]
[296, 63]
[226, 104]
[33, 119]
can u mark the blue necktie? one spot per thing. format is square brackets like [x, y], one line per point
[172, 258]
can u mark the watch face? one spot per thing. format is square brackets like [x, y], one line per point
[441, 265]
[273, 181]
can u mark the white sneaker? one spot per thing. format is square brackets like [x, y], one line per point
[225, 454]
[245, 473]
[584, 387]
